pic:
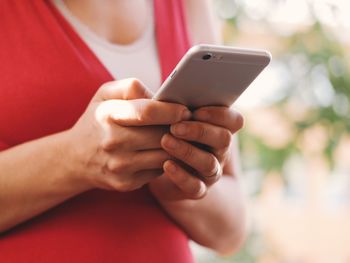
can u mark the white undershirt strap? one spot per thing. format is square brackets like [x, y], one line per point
[137, 60]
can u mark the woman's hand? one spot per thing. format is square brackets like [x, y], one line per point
[195, 168]
[116, 142]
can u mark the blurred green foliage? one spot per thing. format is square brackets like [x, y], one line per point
[321, 51]
[317, 65]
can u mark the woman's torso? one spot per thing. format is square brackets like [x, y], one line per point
[137, 59]
[48, 77]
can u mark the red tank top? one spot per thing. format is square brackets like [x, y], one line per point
[47, 77]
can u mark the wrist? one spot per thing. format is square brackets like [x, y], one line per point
[72, 161]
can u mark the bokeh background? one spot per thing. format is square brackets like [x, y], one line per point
[295, 147]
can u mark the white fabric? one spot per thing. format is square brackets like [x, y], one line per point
[138, 59]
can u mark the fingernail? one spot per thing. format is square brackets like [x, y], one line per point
[186, 114]
[171, 143]
[179, 129]
[202, 115]
[169, 167]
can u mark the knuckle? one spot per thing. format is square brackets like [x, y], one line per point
[117, 166]
[222, 154]
[240, 121]
[146, 111]
[211, 166]
[106, 86]
[220, 114]
[124, 186]
[226, 138]
[103, 90]
[106, 144]
[196, 192]
[135, 84]
[180, 110]
[110, 141]
[125, 182]
[201, 132]
[195, 189]
[137, 88]
[104, 111]
[188, 152]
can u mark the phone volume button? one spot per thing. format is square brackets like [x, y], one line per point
[172, 74]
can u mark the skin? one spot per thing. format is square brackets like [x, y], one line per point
[123, 141]
[108, 148]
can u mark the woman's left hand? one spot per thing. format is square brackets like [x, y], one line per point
[194, 168]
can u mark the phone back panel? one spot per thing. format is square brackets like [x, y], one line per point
[219, 80]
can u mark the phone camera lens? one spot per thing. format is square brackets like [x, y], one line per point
[207, 56]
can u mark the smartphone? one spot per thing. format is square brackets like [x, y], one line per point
[212, 75]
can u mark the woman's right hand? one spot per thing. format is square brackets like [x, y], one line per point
[116, 142]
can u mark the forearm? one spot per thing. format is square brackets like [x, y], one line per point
[34, 177]
[216, 221]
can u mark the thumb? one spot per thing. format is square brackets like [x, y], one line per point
[125, 89]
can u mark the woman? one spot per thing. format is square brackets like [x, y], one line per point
[69, 133]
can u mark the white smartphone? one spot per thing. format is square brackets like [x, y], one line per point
[211, 75]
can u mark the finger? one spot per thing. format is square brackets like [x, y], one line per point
[220, 116]
[119, 138]
[142, 112]
[163, 188]
[211, 135]
[125, 89]
[136, 181]
[146, 176]
[203, 162]
[190, 185]
[149, 160]
[134, 162]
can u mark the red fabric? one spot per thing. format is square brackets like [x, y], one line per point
[48, 76]
[173, 25]
[3, 146]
